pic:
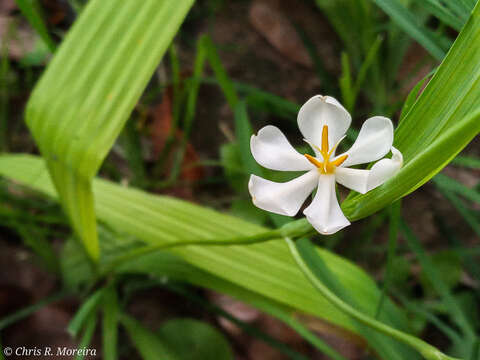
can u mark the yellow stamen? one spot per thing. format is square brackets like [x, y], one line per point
[314, 161]
[339, 161]
[324, 140]
[326, 166]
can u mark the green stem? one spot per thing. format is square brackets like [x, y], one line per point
[293, 229]
[426, 350]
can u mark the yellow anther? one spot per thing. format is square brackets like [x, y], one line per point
[340, 160]
[314, 161]
[326, 166]
[324, 140]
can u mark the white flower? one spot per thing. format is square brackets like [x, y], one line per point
[323, 122]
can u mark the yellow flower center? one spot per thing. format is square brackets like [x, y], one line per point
[327, 166]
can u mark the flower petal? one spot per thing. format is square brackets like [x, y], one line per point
[271, 149]
[355, 179]
[320, 111]
[324, 212]
[384, 169]
[373, 142]
[282, 198]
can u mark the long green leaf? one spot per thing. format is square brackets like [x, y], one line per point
[31, 10]
[418, 170]
[87, 335]
[90, 88]
[394, 215]
[448, 183]
[407, 21]
[455, 310]
[443, 13]
[110, 323]
[439, 124]
[84, 312]
[266, 269]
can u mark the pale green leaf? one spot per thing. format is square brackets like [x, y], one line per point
[266, 269]
[84, 98]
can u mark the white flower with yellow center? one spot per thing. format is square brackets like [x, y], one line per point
[323, 121]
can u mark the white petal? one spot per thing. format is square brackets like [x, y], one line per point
[324, 212]
[354, 179]
[320, 111]
[271, 149]
[384, 169]
[373, 142]
[282, 198]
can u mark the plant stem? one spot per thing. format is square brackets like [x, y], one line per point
[293, 229]
[426, 350]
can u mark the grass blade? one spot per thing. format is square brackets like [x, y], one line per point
[110, 323]
[27, 311]
[90, 326]
[395, 216]
[435, 278]
[86, 310]
[404, 19]
[31, 10]
[448, 183]
[466, 161]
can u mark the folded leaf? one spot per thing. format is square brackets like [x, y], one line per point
[266, 269]
[88, 91]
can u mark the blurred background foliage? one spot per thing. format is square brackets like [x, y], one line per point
[233, 67]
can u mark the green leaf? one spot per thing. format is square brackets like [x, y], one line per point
[448, 266]
[319, 276]
[326, 275]
[407, 21]
[31, 10]
[29, 310]
[462, 209]
[232, 165]
[194, 340]
[243, 132]
[244, 209]
[467, 161]
[417, 170]
[86, 310]
[76, 118]
[447, 183]
[411, 98]
[110, 323]
[346, 83]
[266, 269]
[149, 345]
[249, 329]
[442, 121]
[443, 13]
[394, 215]
[90, 326]
[438, 282]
